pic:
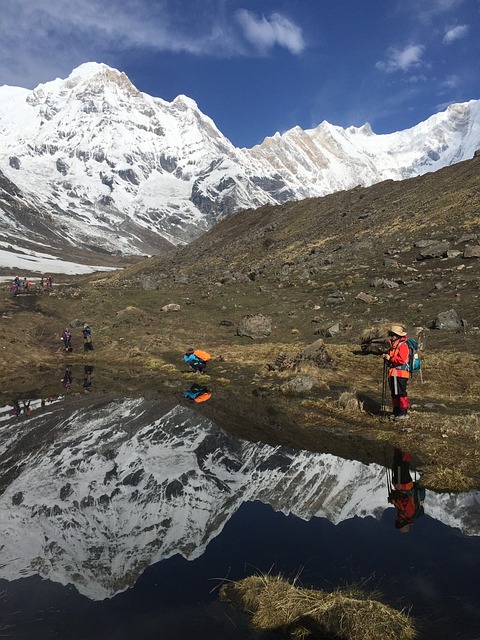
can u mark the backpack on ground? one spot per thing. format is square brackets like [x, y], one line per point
[414, 363]
[202, 355]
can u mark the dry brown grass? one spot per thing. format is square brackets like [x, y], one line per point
[444, 478]
[276, 605]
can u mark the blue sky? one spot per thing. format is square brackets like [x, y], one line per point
[260, 66]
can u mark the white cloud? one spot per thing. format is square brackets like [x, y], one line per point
[265, 33]
[451, 82]
[402, 59]
[42, 39]
[455, 33]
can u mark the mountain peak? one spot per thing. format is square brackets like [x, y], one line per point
[98, 74]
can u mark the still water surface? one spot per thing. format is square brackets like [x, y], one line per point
[434, 569]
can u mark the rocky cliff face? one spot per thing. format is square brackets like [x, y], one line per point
[94, 495]
[107, 166]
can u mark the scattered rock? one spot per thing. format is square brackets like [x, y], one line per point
[366, 297]
[349, 402]
[472, 252]
[390, 262]
[316, 354]
[299, 385]
[332, 331]
[171, 307]
[148, 283]
[437, 250]
[334, 298]
[255, 326]
[453, 253]
[448, 321]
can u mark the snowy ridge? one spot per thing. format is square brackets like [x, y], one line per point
[114, 167]
[118, 488]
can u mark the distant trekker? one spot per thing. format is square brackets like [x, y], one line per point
[87, 338]
[67, 339]
[398, 370]
[197, 359]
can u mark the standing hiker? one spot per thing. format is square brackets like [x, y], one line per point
[87, 338]
[67, 339]
[398, 373]
[197, 359]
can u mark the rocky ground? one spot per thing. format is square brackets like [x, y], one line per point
[339, 269]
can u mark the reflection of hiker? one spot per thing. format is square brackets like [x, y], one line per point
[67, 378]
[87, 338]
[67, 339]
[406, 495]
[398, 370]
[16, 410]
[197, 359]
[197, 393]
[87, 377]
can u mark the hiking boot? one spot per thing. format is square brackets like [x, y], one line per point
[403, 416]
[393, 416]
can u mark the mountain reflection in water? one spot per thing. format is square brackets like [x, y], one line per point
[94, 496]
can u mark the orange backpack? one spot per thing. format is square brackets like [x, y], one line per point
[202, 355]
[204, 397]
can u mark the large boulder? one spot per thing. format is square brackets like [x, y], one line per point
[316, 354]
[299, 385]
[448, 321]
[255, 326]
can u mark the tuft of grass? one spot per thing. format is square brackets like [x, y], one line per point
[442, 478]
[276, 605]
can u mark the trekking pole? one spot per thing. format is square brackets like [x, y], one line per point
[384, 388]
[387, 472]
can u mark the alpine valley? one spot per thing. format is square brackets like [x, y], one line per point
[91, 166]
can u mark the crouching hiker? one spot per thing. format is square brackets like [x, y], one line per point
[197, 359]
[197, 393]
[396, 361]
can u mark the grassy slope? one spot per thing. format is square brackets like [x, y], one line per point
[295, 255]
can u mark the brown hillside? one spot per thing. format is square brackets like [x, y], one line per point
[338, 268]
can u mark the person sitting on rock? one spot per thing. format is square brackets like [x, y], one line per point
[198, 393]
[194, 359]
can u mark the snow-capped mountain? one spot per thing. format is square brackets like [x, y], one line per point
[109, 488]
[98, 163]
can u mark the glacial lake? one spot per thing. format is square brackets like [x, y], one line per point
[118, 522]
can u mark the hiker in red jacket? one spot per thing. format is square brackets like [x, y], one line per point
[397, 359]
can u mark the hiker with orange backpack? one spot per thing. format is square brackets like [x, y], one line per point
[197, 359]
[396, 361]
